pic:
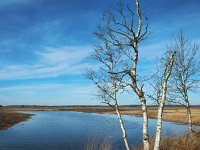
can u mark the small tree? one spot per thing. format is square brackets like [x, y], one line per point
[185, 72]
[108, 82]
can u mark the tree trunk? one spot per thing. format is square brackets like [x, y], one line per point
[141, 96]
[189, 114]
[166, 75]
[120, 118]
[122, 126]
[159, 123]
[145, 124]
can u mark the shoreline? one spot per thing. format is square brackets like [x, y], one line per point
[177, 118]
[10, 118]
[171, 114]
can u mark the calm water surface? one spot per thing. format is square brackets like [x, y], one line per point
[60, 130]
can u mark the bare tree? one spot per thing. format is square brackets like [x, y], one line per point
[155, 82]
[108, 82]
[185, 71]
[126, 29]
[168, 64]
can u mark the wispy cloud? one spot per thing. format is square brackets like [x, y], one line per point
[50, 63]
[48, 94]
[72, 89]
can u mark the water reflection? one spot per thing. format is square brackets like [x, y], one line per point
[61, 130]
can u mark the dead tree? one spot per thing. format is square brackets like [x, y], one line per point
[185, 72]
[108, 82]
[126, 29]
[168, 64]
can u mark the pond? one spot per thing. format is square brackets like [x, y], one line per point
[62, 130]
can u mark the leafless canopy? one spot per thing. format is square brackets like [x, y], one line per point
[107, 80]
[120, 32]
[156, 80]
[123, 30]
[187, 66]
[104, 78]
[186, 72]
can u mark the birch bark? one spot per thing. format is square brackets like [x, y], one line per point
[189, 114]
[120, 117]
[141, 96]
[167, 73]
[145, 124]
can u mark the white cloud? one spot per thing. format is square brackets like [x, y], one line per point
[51, 62]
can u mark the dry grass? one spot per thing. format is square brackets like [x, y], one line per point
[9, 118]
[185, 142]
[94, 143]
[172, 142]
[172, 114]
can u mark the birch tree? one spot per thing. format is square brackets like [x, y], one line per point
[186, 71]
[155, 82]
[126, 28]
[165, 76]
[108, 82]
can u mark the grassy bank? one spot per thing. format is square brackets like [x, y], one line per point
[171, 142]
[172, 114]
[8, 118]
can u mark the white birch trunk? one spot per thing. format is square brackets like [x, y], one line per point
[145, 124]
[141, 96]
[159, 118]
[189, 115]
[125, 138]
[122, 127]
[187, 103]
[167, 73]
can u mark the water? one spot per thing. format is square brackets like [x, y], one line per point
[61, 130]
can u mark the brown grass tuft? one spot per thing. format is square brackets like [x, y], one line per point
[185, 142]
[98, 143]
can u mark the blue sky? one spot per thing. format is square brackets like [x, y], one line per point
[44, 46]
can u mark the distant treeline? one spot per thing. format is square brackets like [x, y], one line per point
[71, 106]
